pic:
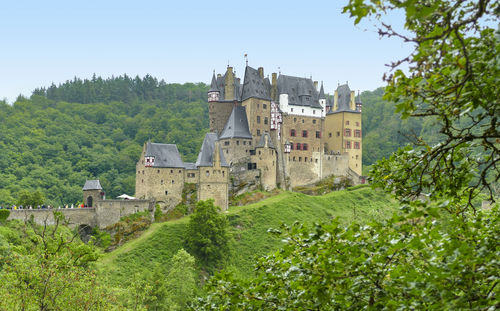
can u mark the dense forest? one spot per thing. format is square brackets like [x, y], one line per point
[95, 128]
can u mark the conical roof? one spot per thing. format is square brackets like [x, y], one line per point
[213, 85]
[322, 92]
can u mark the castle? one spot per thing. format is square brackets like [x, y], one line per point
[278, 133]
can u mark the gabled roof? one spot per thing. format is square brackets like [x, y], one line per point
[166, 155]
[92, 185]
[254, 86]
[236, 125]
[301, 91]
[344, 98]
[206, 155]
[262, 141]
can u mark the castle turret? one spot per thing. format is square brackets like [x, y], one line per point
[322, 100]
[213, 93]
[359, 104]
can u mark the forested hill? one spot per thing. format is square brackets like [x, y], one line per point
[95, 128]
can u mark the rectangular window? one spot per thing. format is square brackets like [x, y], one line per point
[265, 120]
[292, 132]
[244, 142]
[357, 123]
[304, 146]
[237, 142]
[264, 106]
[318, 134]
[357, 133]
[348, 144]
[252, 152]
[347, 132]
[291, 146]
[314, 121]
[226, 143]
[346, 122]
[258, 132]
[304, 133]
[330, 134]
[356, 145]
[258, 119]
[299, 146]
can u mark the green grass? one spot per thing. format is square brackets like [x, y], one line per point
[249, 225]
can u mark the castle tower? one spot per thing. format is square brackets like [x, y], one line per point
[213, 93]
[213, 172]
[92, 192]
[224, 93]
[343, 128]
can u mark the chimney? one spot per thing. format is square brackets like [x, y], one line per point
[274, 86]
[316, 85]
[261, 72]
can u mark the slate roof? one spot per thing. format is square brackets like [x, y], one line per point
[344, 98]
[205, 157]
[213, 85]
[166, 155]
[262, 141]
[321, 92]
[254, 85]
[190, 166]
[301, 91]
[236, 125]
[92, 185]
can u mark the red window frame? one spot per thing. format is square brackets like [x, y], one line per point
[304, 133]
[292, 132]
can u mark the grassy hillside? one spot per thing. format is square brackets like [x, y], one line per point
[249, 225]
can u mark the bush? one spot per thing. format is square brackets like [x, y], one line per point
[4, 214]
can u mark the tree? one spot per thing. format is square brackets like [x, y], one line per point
[439, 252]
[181, 280]
[49, 271]
[27, 198]
[206, 234]
[453, 79]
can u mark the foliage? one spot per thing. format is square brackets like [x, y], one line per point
[181, 280]
[101, 239]
[27, 198]
[453, 82]
[94, 128]
[47, 269]
[4, 214]
[127, 228]
[158, 213]
[326, 185]
[207, 235]
[396, 265]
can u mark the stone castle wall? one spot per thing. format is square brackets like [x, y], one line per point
[106, 212]
[75, 216]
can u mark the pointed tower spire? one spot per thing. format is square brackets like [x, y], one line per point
[322, 92]
[213, 85]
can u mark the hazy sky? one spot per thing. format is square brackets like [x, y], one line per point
[44, 42]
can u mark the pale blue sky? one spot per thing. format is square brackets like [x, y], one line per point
[52, 41]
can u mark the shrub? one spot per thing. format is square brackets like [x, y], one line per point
[4, 214]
